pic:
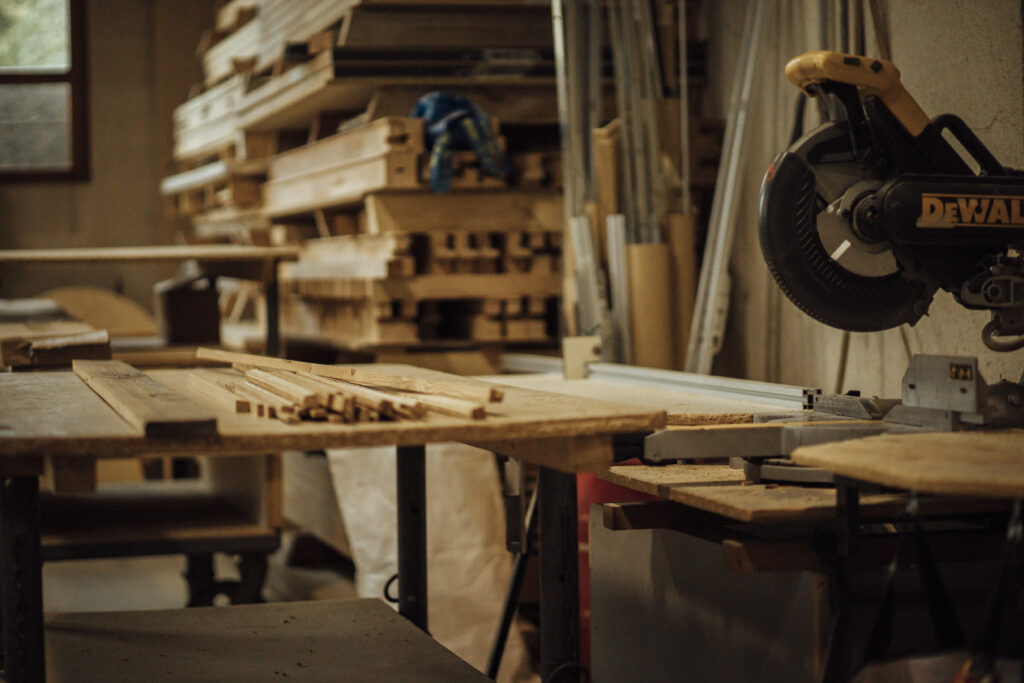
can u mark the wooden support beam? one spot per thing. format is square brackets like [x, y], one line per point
[151, 408]
[70, 474]
[659, 514]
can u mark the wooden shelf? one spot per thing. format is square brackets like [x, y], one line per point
[152, 518]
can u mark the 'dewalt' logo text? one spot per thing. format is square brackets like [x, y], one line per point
[971, 211]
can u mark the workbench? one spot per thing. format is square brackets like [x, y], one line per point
[245, 262]
[56, 414]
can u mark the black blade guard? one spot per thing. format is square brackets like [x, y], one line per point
[789, 206]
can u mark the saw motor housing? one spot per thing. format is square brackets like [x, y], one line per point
[863, 219]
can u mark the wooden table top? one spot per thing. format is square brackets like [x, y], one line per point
[173, 252]
[55, 413]
[972, 463]
[722, 490]
[325, 640]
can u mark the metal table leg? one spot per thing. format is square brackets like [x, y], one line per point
[412, 534]
[559, 577]
[21, 580]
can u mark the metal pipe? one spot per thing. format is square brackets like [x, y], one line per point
[618, 273]
[411, 483]
[713, 287]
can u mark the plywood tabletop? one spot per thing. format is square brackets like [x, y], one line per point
[57, 414]
[682, 408]
[324, 640]
[200, 252]
[722, 490]
[973, 463]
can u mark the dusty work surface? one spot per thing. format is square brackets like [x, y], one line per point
[681, 407]
[356, 640]
[58, 414]
[976, 463]
[721, 489]
[200, 252]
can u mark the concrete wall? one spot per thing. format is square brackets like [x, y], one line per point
[141, 64]
[956, 56]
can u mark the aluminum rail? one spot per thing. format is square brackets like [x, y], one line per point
[768, 393]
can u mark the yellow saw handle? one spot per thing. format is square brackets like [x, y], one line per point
[873, 76]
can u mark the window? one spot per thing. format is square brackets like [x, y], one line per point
[43, 110]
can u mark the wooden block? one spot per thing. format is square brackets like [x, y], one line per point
[577, 352]
[152, 409]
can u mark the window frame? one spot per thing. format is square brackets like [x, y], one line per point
[77, 78]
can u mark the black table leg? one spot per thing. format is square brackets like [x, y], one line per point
[412, 534]
[21, 580]
[559, 577]
[272, 296]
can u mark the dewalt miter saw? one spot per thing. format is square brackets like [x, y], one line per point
[864, 219]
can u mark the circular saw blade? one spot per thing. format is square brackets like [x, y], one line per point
[814, 255]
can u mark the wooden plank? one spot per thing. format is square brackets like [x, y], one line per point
[283, 387]
[220, 393]
[723, 490]
[354, 640]
[43, 329]
[19, 352]
[467, 389]
[484, 211]
[151, 408]
[385, 403]
[345, 183]
[452, 406]
[199, 252]
[435, 287]
[973, 463]
[683, 408]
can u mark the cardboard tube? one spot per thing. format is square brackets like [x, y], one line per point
[650, 282]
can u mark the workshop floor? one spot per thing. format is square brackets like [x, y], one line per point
[157, 583]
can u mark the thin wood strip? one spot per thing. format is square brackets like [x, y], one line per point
[283, 387]
[473, 391]
[218, 392]
[383, 402]
[452, 406]
[150, 407]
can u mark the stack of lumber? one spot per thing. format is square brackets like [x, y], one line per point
[292, 392]
[301, 131]
[481, 266]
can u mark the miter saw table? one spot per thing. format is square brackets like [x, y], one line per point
[939, 394]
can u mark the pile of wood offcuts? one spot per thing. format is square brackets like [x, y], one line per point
[293, 391]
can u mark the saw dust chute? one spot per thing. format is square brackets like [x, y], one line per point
[863, 219]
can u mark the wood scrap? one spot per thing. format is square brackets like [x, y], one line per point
[293, 391]
[151, 408]
[55, 351]
[284, 387]
[220, 392]
[473, 391]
